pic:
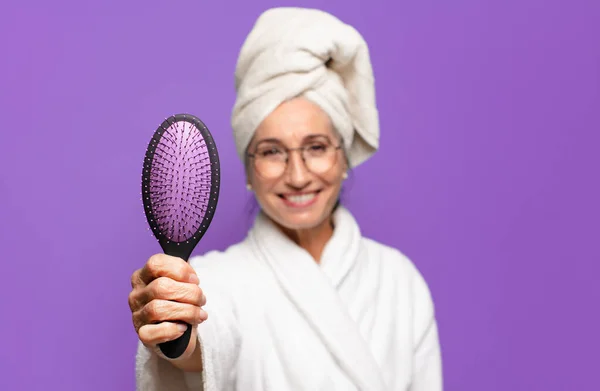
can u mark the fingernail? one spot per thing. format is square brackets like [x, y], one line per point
[194, 279]
[181, 327]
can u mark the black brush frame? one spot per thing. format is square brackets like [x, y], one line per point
[175, 348]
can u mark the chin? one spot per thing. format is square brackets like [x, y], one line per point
[303, 222]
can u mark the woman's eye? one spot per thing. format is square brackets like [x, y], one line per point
[269, 152]
[317, 148]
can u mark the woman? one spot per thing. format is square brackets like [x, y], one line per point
[304, 302]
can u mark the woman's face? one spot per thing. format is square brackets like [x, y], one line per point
[301, 193]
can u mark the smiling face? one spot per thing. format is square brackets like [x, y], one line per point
[301, 193]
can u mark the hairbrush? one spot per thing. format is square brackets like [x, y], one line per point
[180, 190]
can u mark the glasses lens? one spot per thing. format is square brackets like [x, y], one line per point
[319, 156]
[270, 160]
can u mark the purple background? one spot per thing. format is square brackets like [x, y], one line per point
[487, 175]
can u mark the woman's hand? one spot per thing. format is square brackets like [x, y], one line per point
[166, 292]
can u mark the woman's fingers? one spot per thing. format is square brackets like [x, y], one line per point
[157, 311]
[162, 265]
[153, 334]
[164, 288]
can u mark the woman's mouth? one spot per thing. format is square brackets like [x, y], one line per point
[299, 200]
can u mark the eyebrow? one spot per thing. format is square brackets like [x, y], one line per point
[276, 140]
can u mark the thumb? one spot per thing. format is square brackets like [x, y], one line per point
[189, 351]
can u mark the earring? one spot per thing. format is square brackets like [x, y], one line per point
[345, 175]
[249, 187]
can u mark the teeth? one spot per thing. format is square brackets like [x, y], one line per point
[301, 199]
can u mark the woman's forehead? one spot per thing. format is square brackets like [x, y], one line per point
[295, 121]
[293, 136]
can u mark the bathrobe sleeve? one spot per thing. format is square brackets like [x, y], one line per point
[427, 367]
[219, 339]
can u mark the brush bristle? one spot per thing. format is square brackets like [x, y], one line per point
[179, 181]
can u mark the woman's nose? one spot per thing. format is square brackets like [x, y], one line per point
[297, 173]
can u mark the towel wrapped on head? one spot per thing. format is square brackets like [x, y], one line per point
[292, 52]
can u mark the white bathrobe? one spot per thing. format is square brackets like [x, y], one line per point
[363, 319]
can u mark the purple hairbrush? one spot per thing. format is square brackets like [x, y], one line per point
[180, 190]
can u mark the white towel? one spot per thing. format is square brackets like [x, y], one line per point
[293, 52]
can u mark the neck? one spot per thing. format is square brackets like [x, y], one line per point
[313, 240]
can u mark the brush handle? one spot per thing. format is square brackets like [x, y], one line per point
[176, 347]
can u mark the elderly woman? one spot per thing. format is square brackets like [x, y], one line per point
[304, 302]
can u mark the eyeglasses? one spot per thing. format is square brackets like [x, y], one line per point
[270, 158]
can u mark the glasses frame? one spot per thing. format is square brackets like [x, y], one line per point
[287, 152]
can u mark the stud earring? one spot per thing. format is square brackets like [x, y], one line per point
[249, 187]
[345, 175]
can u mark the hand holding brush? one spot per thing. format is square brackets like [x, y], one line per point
[165, 293]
